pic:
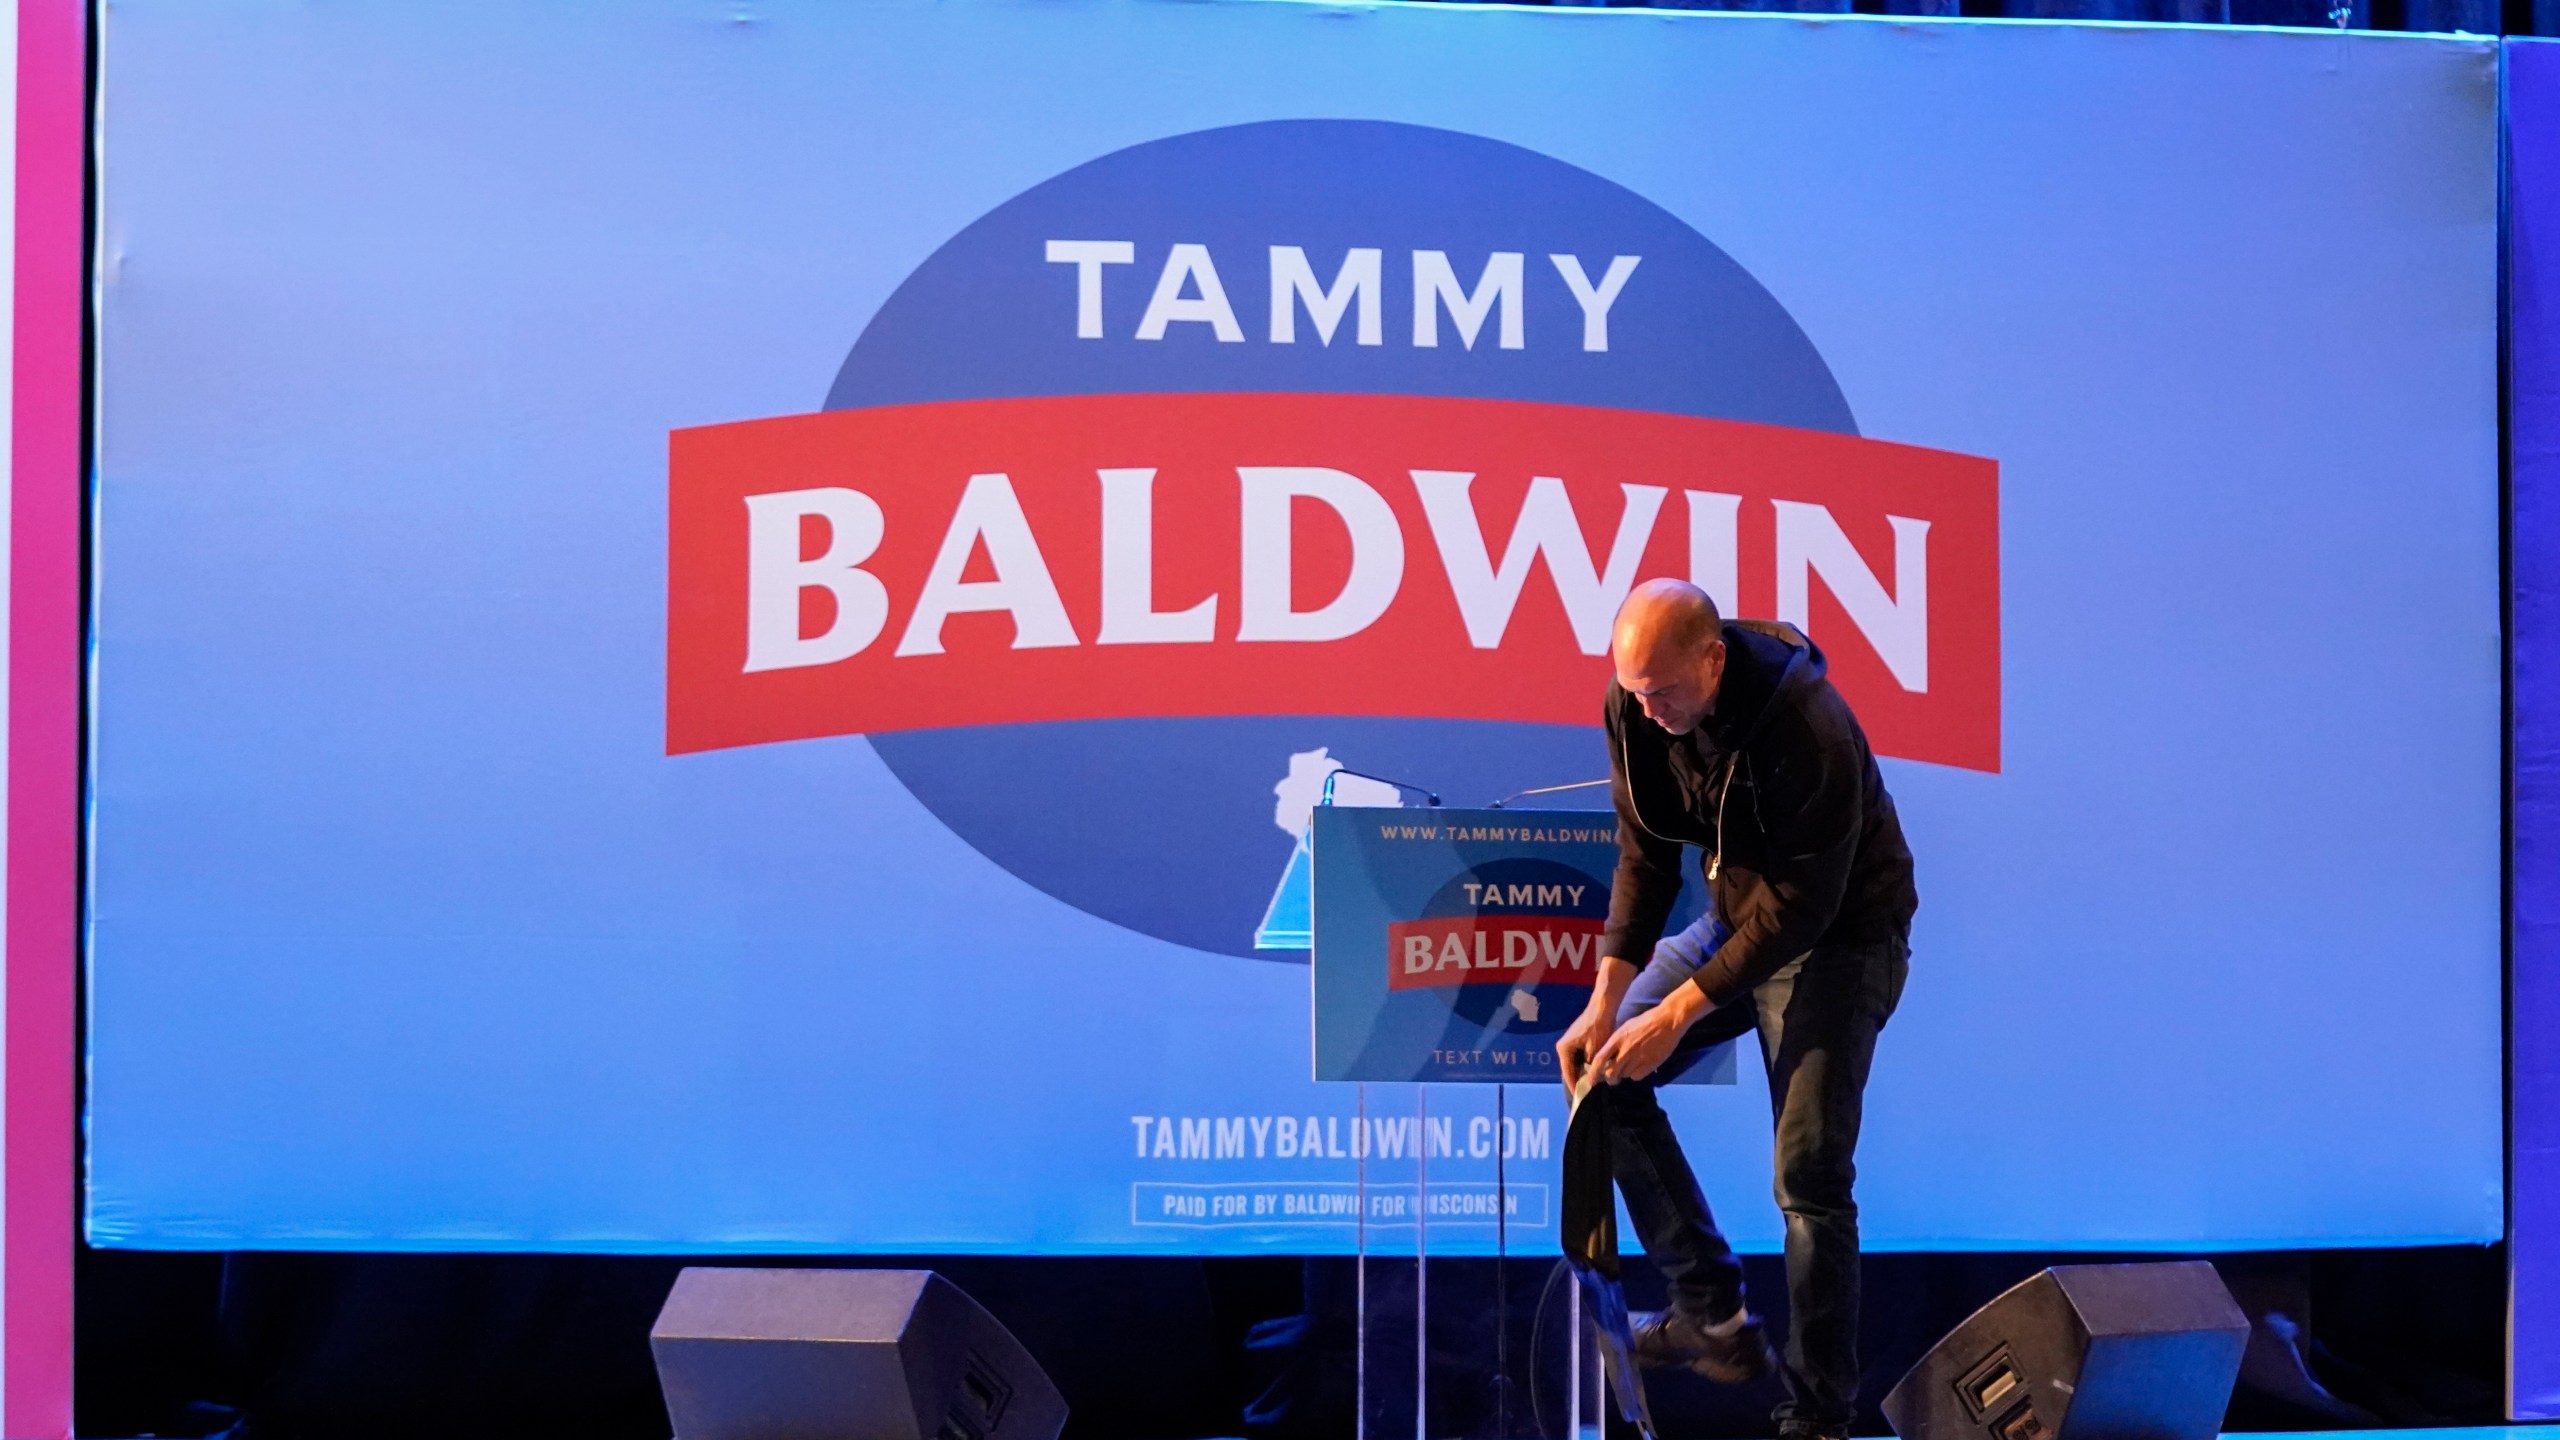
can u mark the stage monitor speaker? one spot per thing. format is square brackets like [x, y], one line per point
[2082, 1352]
[843, 1355]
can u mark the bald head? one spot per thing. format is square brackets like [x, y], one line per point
[1668, 648]
[1666, 613]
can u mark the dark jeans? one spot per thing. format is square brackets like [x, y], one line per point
[1817, 1019]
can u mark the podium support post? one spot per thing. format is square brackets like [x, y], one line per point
[1361, 1146]
[1421, 1262]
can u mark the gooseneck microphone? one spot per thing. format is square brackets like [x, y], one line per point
[1543, 790]
[1429, 798]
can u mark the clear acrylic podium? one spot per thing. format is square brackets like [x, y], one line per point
[1462, 1331]
[1449, 950]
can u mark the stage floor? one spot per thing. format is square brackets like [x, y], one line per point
[2543, 1431]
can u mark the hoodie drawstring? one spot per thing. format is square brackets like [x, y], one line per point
[1715, 862]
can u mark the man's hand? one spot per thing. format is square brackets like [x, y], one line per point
[1590, 1030]
[1638, 1048]
[1583, 1039]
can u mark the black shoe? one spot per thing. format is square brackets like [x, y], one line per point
[1667, 1338]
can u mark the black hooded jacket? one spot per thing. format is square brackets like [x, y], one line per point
[1776, 786]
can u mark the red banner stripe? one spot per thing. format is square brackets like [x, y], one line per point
[1090, 557]
[1504, 950]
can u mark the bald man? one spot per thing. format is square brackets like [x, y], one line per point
[1725, 735]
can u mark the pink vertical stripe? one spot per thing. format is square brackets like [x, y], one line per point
[43, 738]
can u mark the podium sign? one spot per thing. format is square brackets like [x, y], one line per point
[1454, 945]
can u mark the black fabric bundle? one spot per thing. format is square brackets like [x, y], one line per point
[1589, 1226]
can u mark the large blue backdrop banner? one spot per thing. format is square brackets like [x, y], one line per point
[714, 626]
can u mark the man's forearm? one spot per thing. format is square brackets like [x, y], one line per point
[1610, 986]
